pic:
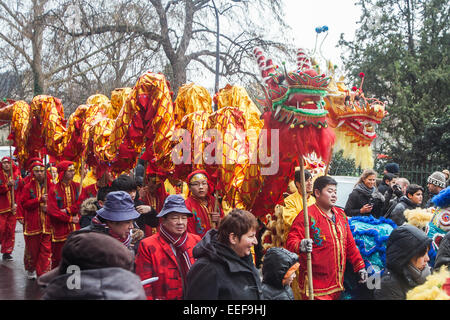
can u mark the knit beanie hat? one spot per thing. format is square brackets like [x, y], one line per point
[392, 168]
[437, 178]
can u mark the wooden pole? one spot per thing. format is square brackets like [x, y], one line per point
[12, 178]
[307, 236]
[45, 175]
[81, 175]
[216, 208]
[328, 164]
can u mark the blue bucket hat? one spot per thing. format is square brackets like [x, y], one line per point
[118, 206]
[174, 203]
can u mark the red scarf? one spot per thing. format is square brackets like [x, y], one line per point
[179, 244]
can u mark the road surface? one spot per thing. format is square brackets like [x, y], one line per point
[14, 284]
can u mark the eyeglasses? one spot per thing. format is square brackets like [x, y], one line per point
[198, 184]
[176, 218]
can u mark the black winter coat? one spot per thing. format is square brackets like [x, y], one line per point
[403, 244]
[443, 254]
[220, 274]
[397, 214]
[277, 261]
[357, 199]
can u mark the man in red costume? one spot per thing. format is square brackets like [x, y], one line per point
[168, 253]
[63, 208]
[7, 210]
[332, 244]
[202, 204]
[36, 222]
[151, 200]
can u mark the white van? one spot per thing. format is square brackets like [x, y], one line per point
[344, 188]
[4, 151]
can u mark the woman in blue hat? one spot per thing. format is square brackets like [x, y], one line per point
[116, 217]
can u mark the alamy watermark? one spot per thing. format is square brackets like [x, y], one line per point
[213, 147]
[74, 280]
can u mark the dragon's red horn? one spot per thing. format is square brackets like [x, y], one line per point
[303, 61]
[265, 66]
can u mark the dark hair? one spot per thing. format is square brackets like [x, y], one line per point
[238, 222]
[323, 181]
[413, 188]
[102, 192]
[124, 183]
[389, 176]
[297, 176]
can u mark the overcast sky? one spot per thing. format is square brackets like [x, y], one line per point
[341, 16]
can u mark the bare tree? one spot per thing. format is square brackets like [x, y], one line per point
[186, 31]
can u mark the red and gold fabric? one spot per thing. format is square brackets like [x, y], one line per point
[38, 253]
[155, 258]
[156, 201]
[88, 192]
[63, 197]
[35, 219]
[5, 190]
[333, 245]
[181, 189]
[200, 222]
[191, 98]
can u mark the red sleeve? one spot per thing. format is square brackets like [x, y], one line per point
[144, 267]
[352, 251]
[27, 202]
[53, 209]
[296, 234]
[74, 209]
[3, 187]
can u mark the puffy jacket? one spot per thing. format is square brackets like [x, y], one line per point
[443, 254]
[397, 214]
[220, 274]
[97, 284]
[357, 199]
[277, 261]
[403, 244]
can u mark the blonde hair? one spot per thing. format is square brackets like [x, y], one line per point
[366, 173]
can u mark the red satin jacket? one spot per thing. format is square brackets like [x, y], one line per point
[333, 244]
[155, 258]
[36, 221]
[5, 191]
[63, 197]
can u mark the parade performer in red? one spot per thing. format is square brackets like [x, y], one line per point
[332, 244]
[151, 199]
[202, 204]
[36, 222]
[168, 253]
[7, 211]
[63, 208]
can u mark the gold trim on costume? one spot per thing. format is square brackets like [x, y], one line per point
[198, 177]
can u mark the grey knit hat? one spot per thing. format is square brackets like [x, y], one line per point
[437, 178]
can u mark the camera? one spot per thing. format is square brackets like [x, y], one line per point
[397, 190]
[371, 201]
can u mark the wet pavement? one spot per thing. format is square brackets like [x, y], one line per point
[14, 284]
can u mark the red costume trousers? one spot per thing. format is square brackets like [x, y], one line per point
[56, 253]
[7, 231]
[332, 296]
[38, 253]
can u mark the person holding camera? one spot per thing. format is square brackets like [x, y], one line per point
[365, 199]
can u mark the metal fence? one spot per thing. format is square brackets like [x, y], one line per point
[413, 171]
